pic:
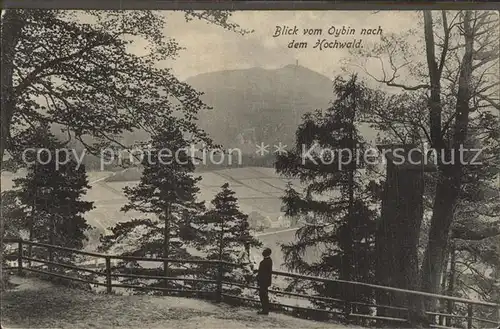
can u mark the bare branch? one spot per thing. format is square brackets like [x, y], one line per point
[490, 101]
[445, 42]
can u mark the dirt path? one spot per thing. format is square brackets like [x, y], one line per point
[38, 304]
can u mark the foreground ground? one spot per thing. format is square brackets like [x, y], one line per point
[38, 304]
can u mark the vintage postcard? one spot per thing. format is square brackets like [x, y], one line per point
[250, 165]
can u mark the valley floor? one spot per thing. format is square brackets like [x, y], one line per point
[38, 304]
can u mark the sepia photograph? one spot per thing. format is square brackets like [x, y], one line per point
[204, 167]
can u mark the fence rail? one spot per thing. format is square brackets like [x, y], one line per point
[219, 293]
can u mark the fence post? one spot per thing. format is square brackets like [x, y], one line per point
[348, 292]
[469, 316]
[51, 259]
[20, 258]
[108, 275]
[165, 276]
[218, 296]
[498, 316]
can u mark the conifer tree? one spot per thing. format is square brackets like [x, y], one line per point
[49, 196]
[334, 200]
[227, 238]
[13, 214]
[166, 199]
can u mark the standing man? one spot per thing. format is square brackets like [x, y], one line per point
[264, 277]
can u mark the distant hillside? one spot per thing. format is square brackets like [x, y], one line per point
[249, 107]
[257, 105]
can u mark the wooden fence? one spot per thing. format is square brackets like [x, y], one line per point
[219, 293]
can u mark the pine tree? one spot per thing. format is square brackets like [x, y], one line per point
[166, 199]
[13, 215]
[340, 220]
[227, 238]
[49, 197]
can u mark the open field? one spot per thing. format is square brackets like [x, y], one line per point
[258, 190]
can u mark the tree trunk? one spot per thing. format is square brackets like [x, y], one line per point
[30, 247]
[52, 241]
[451, 282]
[12, 25]
[397, 238]
[444, 282]
[348, 259]
[221, 241]
[166, 247]
[434, 257]
[435, 106]
[31, 228]
[450, 181]
[220, 267]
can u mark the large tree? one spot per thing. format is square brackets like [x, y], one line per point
[335, 199]
[50, 196]
[74, 69]
[165, 199]
[226, 237]
[457, 76]
[472, 263]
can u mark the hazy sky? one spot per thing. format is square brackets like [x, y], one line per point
[211, 48]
